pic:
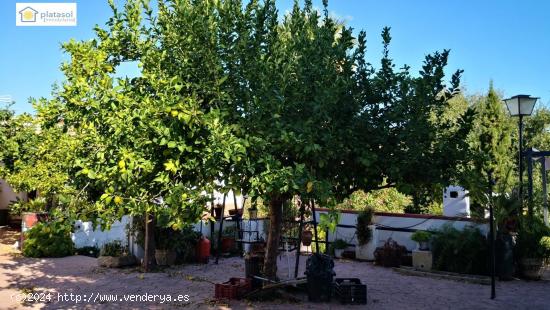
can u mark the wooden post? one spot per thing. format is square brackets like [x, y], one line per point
[220, 230]
[149, 243]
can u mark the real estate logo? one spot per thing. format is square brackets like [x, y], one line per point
[28, 14]
[45, 14]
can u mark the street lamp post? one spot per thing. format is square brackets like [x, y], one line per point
[520, 106]
[492, 234]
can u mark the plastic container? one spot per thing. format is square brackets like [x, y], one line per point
[319, 289]
[235, 288]
[350, 291]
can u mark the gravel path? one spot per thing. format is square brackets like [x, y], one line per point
[386, 288]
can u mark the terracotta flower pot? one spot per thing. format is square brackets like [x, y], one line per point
[31, 218]
[227, 244]
[531, 268]
[307, 236]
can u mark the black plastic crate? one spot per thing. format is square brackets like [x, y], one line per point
[350, 291]
[319, 288]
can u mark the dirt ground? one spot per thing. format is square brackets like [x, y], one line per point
[387, 289]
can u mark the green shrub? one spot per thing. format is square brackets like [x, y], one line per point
[185, 242]
[19, 206]
[531, 241]
[421, 236]
[113, 248]
[339, 244]
[52, 239]
[462, 251]
[382, 200]
[164, 238]
[545, 247]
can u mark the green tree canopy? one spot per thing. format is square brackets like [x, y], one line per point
[273, 107]
[491, 147]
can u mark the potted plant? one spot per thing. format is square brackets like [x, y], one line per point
[339, 246]
[236, 213]
[391, 254]
[115, 255]
[165, 255]
[533, 247]
[31, 211]
[365, 232]
[422, 237]
[185, 243]
[506, 219]
[228, 239]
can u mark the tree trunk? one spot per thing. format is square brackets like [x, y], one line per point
[272, 248]
[149, 255]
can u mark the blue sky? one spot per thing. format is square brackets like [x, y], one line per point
[505, 41]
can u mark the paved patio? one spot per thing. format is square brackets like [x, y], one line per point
[386, 288]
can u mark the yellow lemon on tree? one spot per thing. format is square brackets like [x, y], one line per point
[309, 186]
[118, 200]
[174, 113]
[122, 164]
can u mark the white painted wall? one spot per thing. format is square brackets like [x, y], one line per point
[85, 235]
[398, 221]
[7, 195]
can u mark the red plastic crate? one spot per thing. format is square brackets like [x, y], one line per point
[235, 288]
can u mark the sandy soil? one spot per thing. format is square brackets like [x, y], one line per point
[386, 288]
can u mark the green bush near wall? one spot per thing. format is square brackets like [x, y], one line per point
[382, 200]
[51, 239]
[462, 251]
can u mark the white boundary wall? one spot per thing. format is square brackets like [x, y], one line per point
[393, 225]
[399, 227]
[85, 234]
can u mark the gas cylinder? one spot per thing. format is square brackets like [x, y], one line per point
[203, 250]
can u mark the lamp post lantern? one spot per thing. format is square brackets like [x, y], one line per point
[520, 106]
